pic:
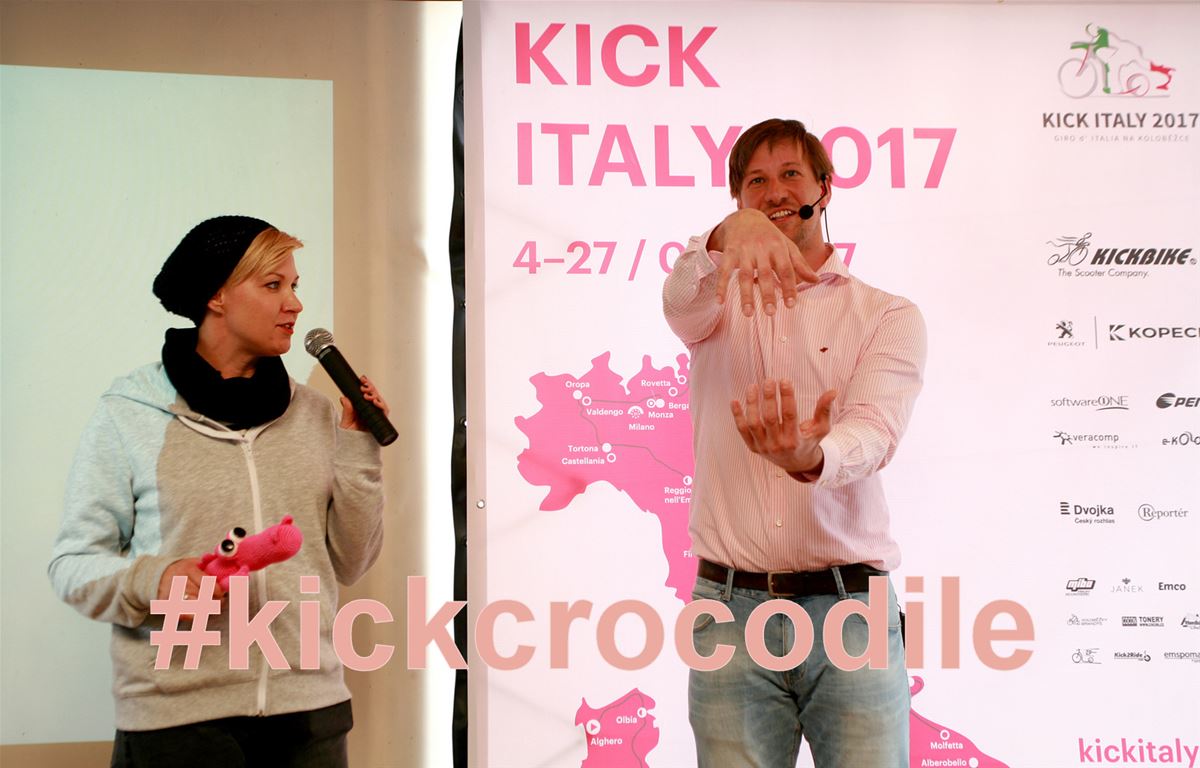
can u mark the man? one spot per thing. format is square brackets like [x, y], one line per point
[784, 507]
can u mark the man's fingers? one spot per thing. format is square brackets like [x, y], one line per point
[787, 279]
[746, 289]
[766, 287]
[819, 425]
[787, 405]
[821, 411]
[723, 274]
[753, 418]
[770, 404]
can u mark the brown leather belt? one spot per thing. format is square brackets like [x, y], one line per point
[794, 583]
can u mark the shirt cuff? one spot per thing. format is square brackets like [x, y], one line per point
[704, 258]
[833, 461]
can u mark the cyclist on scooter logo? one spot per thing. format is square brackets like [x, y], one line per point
[1116, 65]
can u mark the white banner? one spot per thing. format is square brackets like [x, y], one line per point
[1028, 176]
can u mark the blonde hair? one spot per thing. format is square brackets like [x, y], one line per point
[266, 252]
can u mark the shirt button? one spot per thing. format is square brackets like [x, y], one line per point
[783, 339]
[778, 523]
[779, 473]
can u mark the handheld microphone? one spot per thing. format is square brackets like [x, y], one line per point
[319, 343]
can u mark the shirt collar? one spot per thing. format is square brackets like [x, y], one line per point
[834, 269]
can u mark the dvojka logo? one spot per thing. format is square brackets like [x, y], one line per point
[1142, 621]
[1086, 621]
[1113, 65]
[1131, 656]
[1064, 335]
[1190, 621]
[1080, 586]
[1150, 513]
[1097, 403]
[1086, 656]
[1127, 586]
[1171, 400]
[1087, 514]
[1183, 439]
[1123, 333]
[1072, 255]
[1090, 439]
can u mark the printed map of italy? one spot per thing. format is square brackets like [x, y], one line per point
[635, 435]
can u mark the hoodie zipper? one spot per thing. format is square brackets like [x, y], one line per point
[259, 576]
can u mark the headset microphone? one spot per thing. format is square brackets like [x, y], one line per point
[806, 211]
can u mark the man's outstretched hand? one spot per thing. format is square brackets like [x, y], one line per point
[751, 244]
[770, 425]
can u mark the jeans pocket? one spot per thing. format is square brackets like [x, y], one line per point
[706, 590]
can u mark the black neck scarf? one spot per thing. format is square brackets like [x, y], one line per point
[239, 402]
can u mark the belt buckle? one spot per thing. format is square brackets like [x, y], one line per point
[771, 584]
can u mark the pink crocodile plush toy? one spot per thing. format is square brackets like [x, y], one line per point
[238, 554]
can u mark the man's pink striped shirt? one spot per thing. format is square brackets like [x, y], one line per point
[842, 334]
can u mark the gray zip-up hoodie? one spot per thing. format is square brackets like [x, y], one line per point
[154, 482]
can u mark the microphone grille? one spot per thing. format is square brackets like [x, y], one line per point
[316, 340]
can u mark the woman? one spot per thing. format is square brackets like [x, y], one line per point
[214, 437]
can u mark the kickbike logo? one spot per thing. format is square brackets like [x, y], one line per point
[1183, 439]
[1122, 333]
[1098, 403]
[1141, 752]
[1065, 438]
[1064, 335]
[1087, 514]
[1171, 400]
[1074, 257]
[1151, 514]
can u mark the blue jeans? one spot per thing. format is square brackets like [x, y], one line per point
[745, 716]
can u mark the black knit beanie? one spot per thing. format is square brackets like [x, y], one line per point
[202, 262]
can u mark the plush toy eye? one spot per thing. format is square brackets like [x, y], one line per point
[229, 546]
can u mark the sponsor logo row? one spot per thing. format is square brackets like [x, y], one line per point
[1071, 333]
[1188, 621]
[1100, 656]
[1084, 586]
[1091, 513]
[1113, 439]
[1174, 402]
